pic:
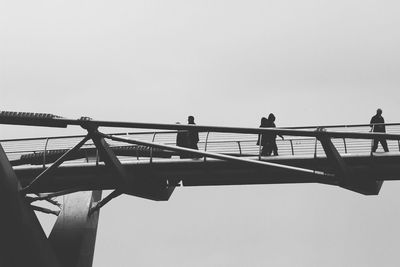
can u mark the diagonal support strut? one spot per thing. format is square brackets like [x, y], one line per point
[346, 177]
[125, 185]
[31, 187]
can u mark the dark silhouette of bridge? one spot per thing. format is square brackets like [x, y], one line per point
[147, 164]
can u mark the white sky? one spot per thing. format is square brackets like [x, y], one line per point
[226, 63]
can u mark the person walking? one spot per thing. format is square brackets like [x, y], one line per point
[181, 137]
[192, 135]
[271, 137]
[263, 139]
[377, 126]
[188, 139]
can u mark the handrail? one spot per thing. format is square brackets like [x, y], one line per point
[57, 121]
[340, 126]
[228, 143]
[293, 131]
[175, 131]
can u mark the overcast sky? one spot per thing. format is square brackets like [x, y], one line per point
[226, 63]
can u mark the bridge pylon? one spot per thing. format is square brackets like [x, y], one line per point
[23, 241]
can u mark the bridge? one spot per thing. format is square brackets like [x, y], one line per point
[145, 162]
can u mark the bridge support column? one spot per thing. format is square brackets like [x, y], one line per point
[22, 239]
[349, 179]
[334, 158]
[74, 234]
[141, 186]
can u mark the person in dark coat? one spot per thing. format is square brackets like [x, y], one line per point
[378, 129]
[192, 135]
[181, 138]
[263, 139]
[188, 139]
[271, 137]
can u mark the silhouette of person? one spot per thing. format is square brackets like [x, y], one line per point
[188, 139]
[263, 139]
[192, 135]
[181, 138]
[271, 137]
[378, 129]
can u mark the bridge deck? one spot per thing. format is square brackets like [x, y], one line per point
[197, 172]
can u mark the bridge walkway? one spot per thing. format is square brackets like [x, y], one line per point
[44, 150]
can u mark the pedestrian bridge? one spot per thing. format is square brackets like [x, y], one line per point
[84, 169]
[149, 165]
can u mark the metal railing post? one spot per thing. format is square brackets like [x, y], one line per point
[372, 140]
[44, 152]
[345, 145]
[151, 148]
[205, 145]
[315, 148]
[259, 146]
[291, 146]
[240, 148]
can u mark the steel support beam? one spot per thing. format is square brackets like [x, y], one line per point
[109, 157]
[98, 205]
[347, 179]
[150, 189]
[22, 240]
[74, 234]
[256, 163]
[291, 131]
[334, 157]
[367, 184]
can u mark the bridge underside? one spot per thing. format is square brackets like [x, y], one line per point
[363, 169]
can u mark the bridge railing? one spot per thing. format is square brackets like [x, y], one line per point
[226, 143]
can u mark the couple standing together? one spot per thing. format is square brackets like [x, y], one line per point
[268, 140]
